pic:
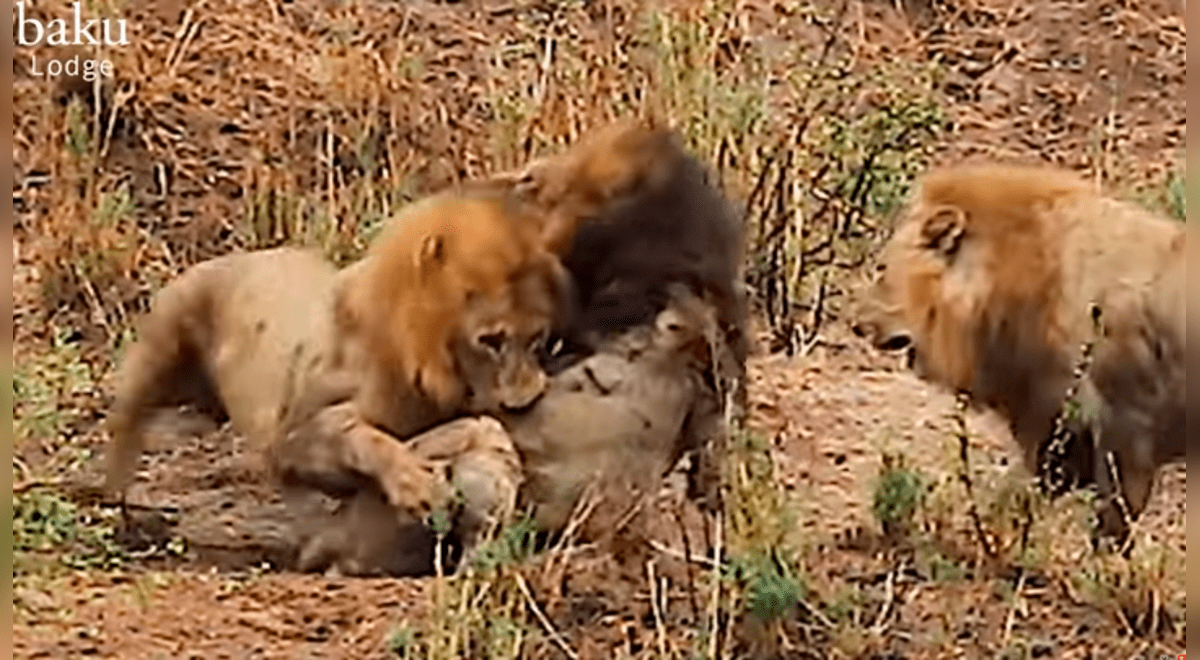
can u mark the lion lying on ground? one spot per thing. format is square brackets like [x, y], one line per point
[990, 281]
[605, 433]
[654, 345]
[645, 386]
[325, 370]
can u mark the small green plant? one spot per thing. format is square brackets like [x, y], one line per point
[1177, 196]
[44, 523]
[1167, 196]
[400, 642]
[43, 388]
[514, 544]
[772, 590]
[899, 492]
[114, 208]
[844, 604]
[79, 141]
[759, 514]
[941, 568]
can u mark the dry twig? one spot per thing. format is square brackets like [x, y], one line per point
[546, 624]
[961, 404]
[1012, 610]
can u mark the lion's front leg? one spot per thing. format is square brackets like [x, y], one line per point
[336, 451]
[474, 466]
[485, 473]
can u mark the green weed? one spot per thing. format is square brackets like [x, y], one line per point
[772, 590]
[45, 387]
[899, 492]
[47, 525]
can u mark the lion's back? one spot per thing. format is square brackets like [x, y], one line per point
[273, 328]
[1111, 248]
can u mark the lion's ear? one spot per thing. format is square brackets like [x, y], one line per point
[943, 230]
[431, 256]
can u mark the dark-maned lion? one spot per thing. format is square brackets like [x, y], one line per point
[991, 279]
[633, 214]
[325, 370]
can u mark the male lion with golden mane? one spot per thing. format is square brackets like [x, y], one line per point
[991, 280]
[653, 345]
[326, 370]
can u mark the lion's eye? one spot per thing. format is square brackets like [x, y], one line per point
[493, 341]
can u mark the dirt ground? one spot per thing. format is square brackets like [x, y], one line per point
[829, 417]
[1023, 80]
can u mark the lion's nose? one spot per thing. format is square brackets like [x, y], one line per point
[524, 397]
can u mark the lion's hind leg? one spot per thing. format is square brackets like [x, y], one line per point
[161, 368]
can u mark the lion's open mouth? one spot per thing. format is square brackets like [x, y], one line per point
[896, 342]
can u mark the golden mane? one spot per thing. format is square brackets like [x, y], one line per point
[411, 291]
[1003, 217]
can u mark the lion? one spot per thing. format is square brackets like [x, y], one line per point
[594, 446]
[326, 371]
[990, 282]
[654, 252]
[632, 214]
[621, 418]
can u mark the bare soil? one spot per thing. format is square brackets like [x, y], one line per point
[829, 418]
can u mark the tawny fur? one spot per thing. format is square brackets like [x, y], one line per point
[654, 250]
[325, 371]
[620, 419]
[626, 251]
[992, 273]
[605, 432]
[364, 536]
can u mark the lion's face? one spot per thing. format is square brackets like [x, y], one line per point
[924, 295]
[459, 297]
[501, 338]
[878, 318]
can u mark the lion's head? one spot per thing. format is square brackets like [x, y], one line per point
[460, 294]
[618, 160]
[969, 281]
